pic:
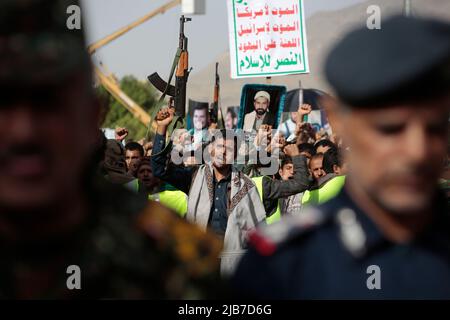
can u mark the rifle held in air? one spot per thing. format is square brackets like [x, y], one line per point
[181, 62]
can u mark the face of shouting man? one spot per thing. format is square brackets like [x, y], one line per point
[223, 152]
[286, 171]
[145, 175]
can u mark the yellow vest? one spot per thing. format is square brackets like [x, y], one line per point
[172, 199]
[276, 216]
[328, 191]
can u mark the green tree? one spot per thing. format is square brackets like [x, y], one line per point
[118, 116]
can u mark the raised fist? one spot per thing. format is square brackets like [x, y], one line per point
[304, 109]
[291, 150]
[121, 134]
[165, 116]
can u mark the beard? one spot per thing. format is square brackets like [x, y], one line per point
[260, 111]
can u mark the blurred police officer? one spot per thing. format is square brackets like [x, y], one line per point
[387, 234]
[64, 234]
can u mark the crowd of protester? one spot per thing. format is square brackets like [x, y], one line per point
[292, 177]
[289, 167]
[211, 197]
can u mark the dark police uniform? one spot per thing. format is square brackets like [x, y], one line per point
[332, 251]
[335, 251]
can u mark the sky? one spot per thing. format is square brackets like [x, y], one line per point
[151, 46]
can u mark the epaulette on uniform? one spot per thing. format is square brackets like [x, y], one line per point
[267, 239]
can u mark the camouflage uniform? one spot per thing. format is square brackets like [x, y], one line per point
[126, 249]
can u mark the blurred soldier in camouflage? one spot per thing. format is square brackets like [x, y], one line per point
[54, 211]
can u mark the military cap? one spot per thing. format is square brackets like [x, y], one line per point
[36, 45]
[407, 58]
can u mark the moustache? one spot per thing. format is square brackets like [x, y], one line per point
[22, 150]
[422, 172]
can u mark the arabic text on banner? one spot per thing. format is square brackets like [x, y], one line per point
[267, 38]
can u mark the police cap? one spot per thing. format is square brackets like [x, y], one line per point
[408, 58]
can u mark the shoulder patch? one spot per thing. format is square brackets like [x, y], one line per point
[266, 239]
[196, 250]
